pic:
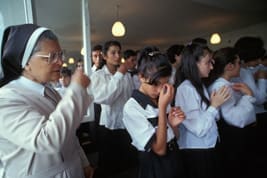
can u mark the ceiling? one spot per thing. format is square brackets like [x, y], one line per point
[148, 22]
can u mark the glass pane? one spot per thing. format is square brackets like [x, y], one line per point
[64, 17]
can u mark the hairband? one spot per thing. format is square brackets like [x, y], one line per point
[153, 53]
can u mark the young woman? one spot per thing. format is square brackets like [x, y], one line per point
[174, 57]
[237, 114]
[198, 132]
[152, 130]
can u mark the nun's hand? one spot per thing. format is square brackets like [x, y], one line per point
[80, 78]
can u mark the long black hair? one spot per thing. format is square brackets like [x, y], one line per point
[188, 70]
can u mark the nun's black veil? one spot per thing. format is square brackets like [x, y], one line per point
[13, 46]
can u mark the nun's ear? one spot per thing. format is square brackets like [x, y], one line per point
[27, 67]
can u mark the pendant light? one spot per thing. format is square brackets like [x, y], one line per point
[215, 38]
[71, 60]
[118, 29]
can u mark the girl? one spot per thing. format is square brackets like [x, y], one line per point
[174, 57]
[145, 118]
[237, 114]
[198, 132]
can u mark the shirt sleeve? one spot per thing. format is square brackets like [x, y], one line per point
[137, 125]
[198, 120]
[24, 125]
[239, 113]
[258, 88]
[238, 110]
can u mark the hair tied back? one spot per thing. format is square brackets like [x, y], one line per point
[153, 53]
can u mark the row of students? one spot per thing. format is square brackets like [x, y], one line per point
[199, 135]
[145, 114]
[199, 139]
[38, 133]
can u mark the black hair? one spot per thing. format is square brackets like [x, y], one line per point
[128, 53]
[152, 65]
[200, 41]
[97, 48]
[174, 50]
[188, 70]
[110, 43]
[65, 72]
[102, 62]
[80, 60]
[250, 48]
[221, 57]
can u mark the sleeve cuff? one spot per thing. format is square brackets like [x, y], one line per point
[213, 111]
[251, 99]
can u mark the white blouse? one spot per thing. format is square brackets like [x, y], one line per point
[199, 129]
[140, 117]
[238, 110]
[259, 88]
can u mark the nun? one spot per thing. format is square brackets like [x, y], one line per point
[37, 127]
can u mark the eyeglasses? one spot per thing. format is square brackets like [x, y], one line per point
[53, 57]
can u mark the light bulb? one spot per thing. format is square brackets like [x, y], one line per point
[215, 38]
[71, 60]
[118, 29]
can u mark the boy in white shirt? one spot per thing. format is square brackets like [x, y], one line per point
[112, 86]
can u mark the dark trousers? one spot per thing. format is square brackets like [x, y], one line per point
[201, 163]
[260, 147]
[238, 150]
[116, 154]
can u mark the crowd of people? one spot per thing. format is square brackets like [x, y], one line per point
[187, 112]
